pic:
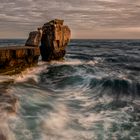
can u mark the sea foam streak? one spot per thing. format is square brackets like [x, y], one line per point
[92, 95]
[30, 73]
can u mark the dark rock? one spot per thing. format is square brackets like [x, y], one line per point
[14, 59]
[54, 40]
[34, 38]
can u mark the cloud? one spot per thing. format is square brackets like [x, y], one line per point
[78, 14]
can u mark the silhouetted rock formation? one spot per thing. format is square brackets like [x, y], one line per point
[54, 40]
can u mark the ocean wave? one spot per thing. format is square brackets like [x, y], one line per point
[117, 87]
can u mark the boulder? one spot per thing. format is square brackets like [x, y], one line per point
[55, 38]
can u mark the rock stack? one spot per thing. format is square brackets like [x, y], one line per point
[13, 59]
[55, 37]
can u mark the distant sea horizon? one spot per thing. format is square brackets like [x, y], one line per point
[93, 94]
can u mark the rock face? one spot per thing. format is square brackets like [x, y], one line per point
[14, 59]
[34, 38]
[54, 37]
[54, 40]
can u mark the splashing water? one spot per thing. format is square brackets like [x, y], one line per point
[94, 94]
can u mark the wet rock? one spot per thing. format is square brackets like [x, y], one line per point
[54, 37]
[14, 59]
[34, 38]
[54, 40]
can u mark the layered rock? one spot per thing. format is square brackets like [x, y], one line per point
[14, 59]
[54, 40]
[53, 36]
[34, 38]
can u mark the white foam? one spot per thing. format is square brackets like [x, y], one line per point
[91, 62]
[4, 126]
[30, 73]
[5, 78]
[74, 62]
[19, 126]
[55, 125]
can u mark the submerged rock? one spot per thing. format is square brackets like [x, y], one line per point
[54, 40]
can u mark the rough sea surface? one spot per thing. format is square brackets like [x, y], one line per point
[94, 94]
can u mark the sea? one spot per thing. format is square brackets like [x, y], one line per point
[93, 94]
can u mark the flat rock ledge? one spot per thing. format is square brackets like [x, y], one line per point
[13, 59]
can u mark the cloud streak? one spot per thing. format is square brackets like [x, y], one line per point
[80, 15]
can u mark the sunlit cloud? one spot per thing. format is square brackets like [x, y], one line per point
[80, 15]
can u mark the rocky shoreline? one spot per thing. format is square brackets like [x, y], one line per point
[13, 59]
[53, 37]
[49, 41]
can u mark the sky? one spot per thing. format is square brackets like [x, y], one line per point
[87, 19]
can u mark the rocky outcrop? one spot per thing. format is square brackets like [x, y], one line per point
[34, 38]
[14, 59]
[54, 40]
[53, 36]
[8, 103]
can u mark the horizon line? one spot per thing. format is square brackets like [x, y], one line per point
[87, 38]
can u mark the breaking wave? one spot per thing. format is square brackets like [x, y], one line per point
[94, 94]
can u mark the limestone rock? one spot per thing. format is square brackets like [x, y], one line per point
[54, 40]
[54, 37]
[34, 38]
[14, 59]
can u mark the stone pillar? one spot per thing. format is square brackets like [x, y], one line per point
[55, 38]
[34, 38]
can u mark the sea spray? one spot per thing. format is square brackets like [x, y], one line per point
[93, 94]
[5, 131]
